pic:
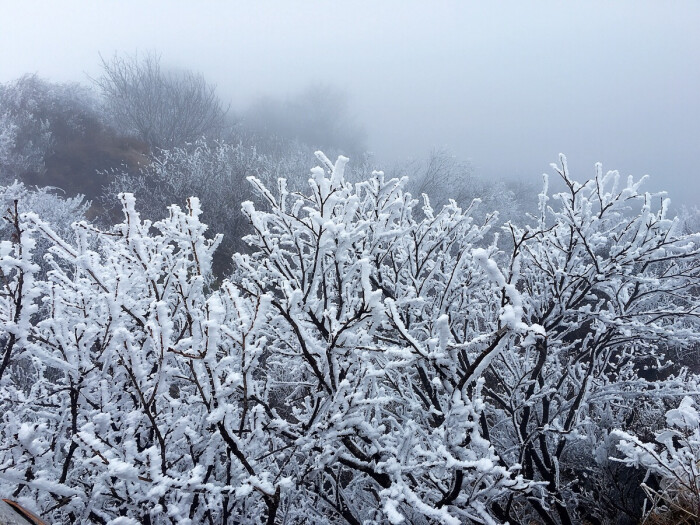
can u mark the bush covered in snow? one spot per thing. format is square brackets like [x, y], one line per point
[367, 361]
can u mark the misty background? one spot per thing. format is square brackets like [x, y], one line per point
[505, 86]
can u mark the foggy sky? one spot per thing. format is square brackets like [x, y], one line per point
[507, 85]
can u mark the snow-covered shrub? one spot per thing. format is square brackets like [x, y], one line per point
[55, 209]
[675, 498]
[22, 262]
[317, 383]
[214, 172]
[365, 362]
[48, 203]
[368, 299]
[604, 272]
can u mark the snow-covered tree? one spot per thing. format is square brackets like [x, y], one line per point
[216, 173]
[50, 204]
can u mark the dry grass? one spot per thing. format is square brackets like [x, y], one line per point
[672, 508]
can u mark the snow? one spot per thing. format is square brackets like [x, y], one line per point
[392, 513]
[685, 416]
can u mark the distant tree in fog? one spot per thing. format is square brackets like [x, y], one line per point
[25, 137]
[690, 219]
[443, 176]
[162, 108]
[319, 116]
[7, 138]
[36, 117]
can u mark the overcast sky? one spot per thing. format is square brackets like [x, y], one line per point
[507, 85]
